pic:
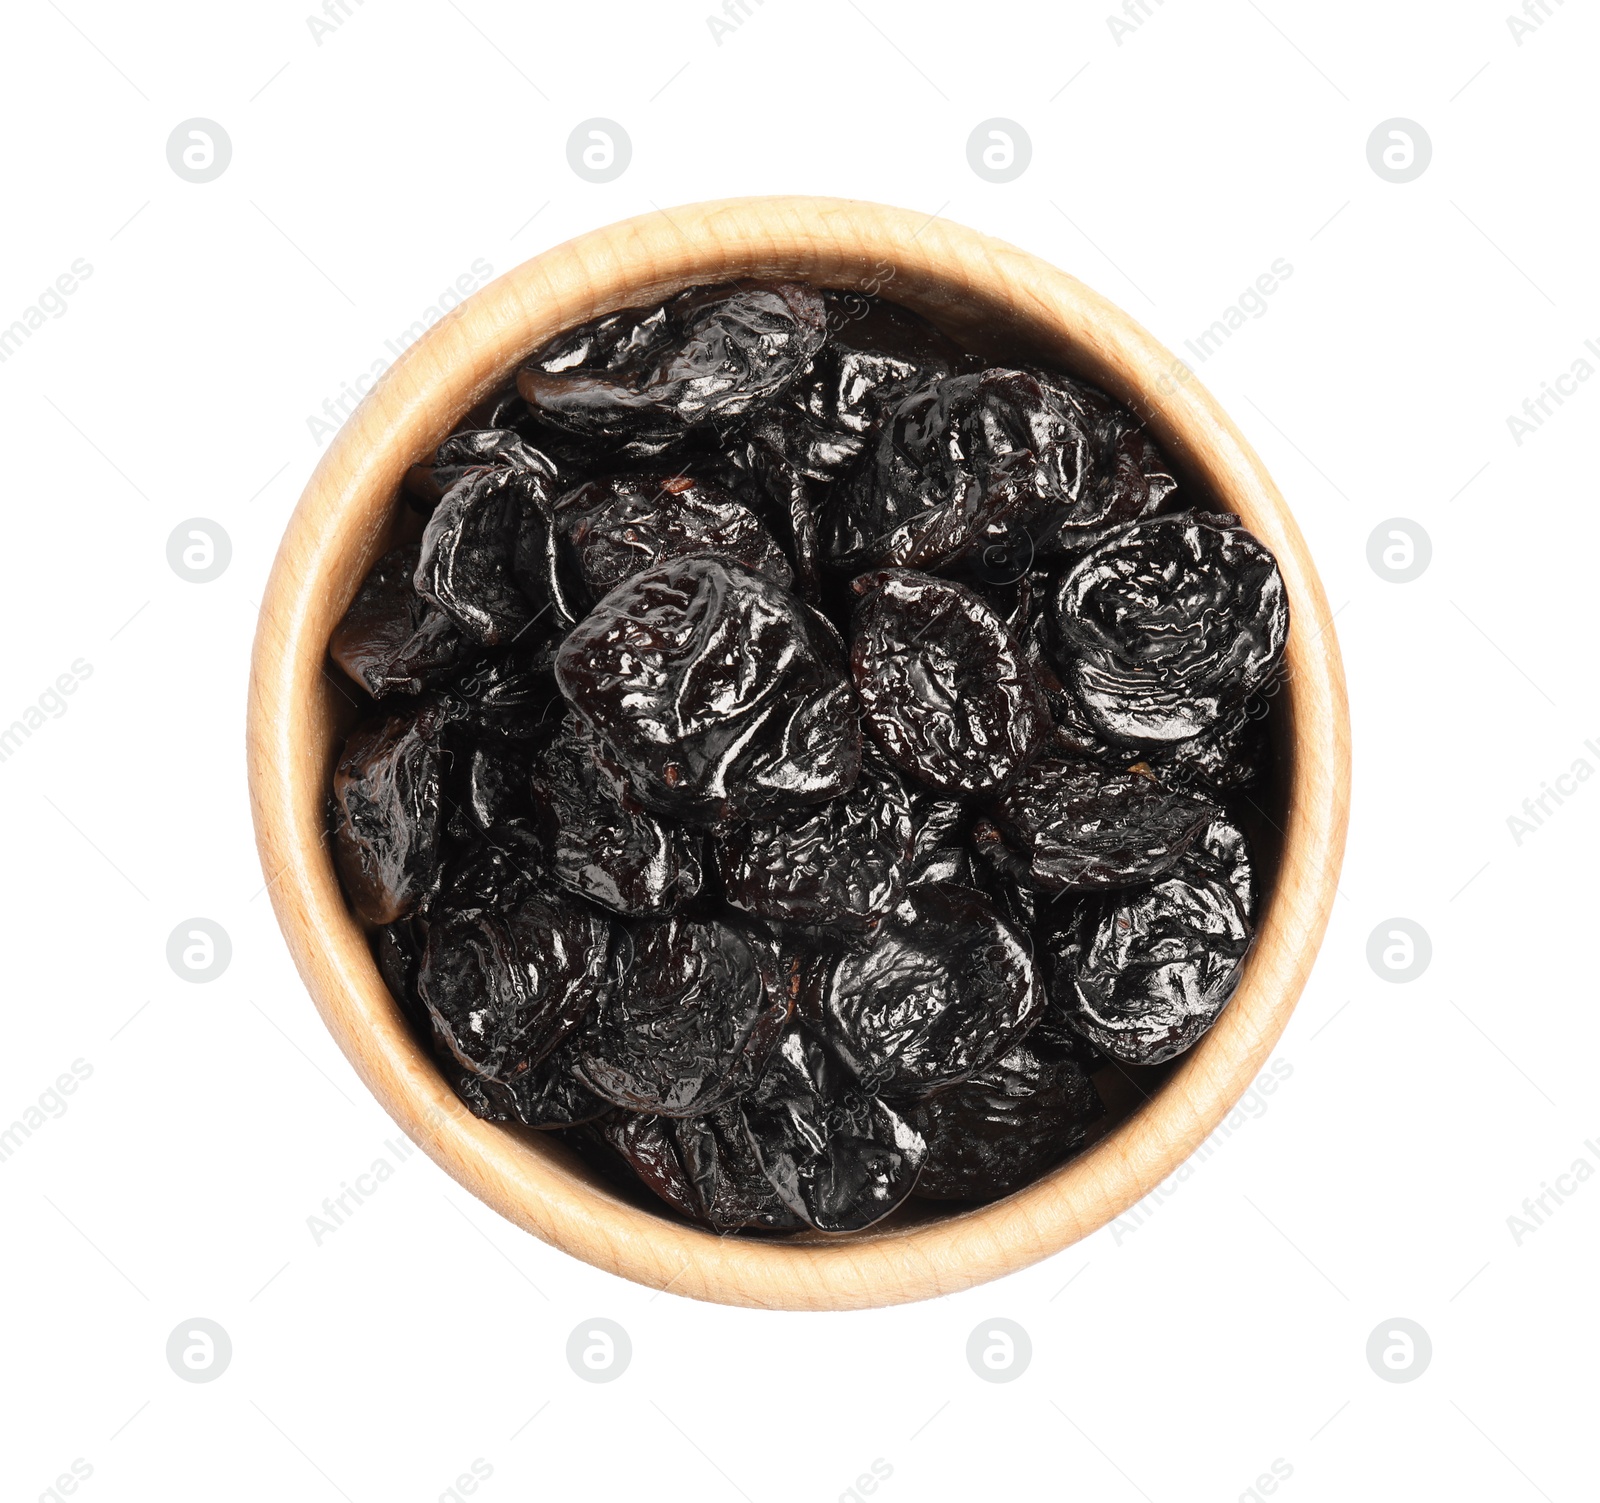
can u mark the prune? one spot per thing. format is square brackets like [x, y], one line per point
[1222, 852]
[504, 697]
[648, 1146]
[427, 484]
[1229, 755]
[548, 1096]
[946, 987]
[842, 863]
[944, 687]
[1169, 624]
[386, 834]
[722, 695]
[601, 843]
[391, 640]
[1005, 1125]
[697, 1009]
[725, 1177]
[710, 355]
[771, 487]
[1143, 973]
[838, 1157]
[620, 526]
[1082, 826]
[505, 987]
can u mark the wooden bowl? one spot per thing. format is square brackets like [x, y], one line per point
[991, 297]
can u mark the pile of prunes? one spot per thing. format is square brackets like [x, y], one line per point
[799, 760]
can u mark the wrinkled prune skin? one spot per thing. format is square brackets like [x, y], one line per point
[1222, 853]
[945, 987]
[388, 817]
[842, 863]
[722, 695]
[470, 548]
[1005, 1125]
[549, 1096]
[1169, 624]
[696, 1010]
[391, 640]
[504, 988]
[649, 1147]
[397, 947]
[426, 485]
[730, 1191]
[945, 689]
[712, 355]
[504, 698]
[1231, 755]
[1080, 827]
[1142, 974]
[837, 1156]
[769, 485]
[624, 524]
[602, 844]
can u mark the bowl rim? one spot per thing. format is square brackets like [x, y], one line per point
[969, 282]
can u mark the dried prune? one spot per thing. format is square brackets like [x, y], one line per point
[721, 694]
[1169, 624]
[838, 1157]
[386, 833]
[945, 987]
[601, 843]
[1231, 754]
[1006, 1124]
[504, 987]
[1081, 826]
[842, 863]
[725, 1177]
[710, 355]
[696, 1010]
[427, 484]
[648, 1146]
[391, 640]
[944, 687]
[1143, 973]
[623, 524]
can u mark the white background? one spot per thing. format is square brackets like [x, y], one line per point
[1177, 1361]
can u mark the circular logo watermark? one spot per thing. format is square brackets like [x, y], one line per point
[599, 150]
[1399, 949]
[999, 1350]
[199, 1350]
[999, 150]
[1399, 550]
[1399, 150]
[599, 1351]
[199, 550]
[1399, 1350]
[1005, 559]
[199, 950]
[199, 150]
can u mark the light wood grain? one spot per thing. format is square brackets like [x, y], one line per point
[989, 294]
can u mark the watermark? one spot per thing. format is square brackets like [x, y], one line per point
[199, 950]
[999, 1350]
[199, 550]
[199, 150]
[1534, 14]
[68, 1482]
[1538, 1209]
[51, 303]
[338, 1209]
[46, 1107]
[1537, 808]
[1399, 950]
[1399, 550]
[468, 1482]
[337, 408]
[999, 150]
[1399, 1350]
[199, 1350]
[599, 1350]
[1268, 1482]
[734, 14]
[1399, 150]
[51, 703]
[1134, 14]
[334, 14]
[599, 150]
[1250, 304]
[868, 1482]
[1252, 1105]
[1538, 409]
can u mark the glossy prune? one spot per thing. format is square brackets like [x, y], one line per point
[722, 695]
[1229, 755]
[427, 484]
[730, 1190]
[1006, 1124]
[391, 640]
[944, 687]
[837, 1156]
[1169, 624]
[696, 1010]
[945, 987]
